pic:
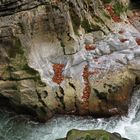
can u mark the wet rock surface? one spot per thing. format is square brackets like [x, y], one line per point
[92, 134]
[67, 57]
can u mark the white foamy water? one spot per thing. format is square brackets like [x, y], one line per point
[21, 128]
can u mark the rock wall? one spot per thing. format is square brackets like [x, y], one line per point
[53, 57]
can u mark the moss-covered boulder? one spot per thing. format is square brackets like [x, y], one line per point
[92, 135]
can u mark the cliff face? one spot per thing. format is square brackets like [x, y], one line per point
[50, 57]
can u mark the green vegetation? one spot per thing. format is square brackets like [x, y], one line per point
[119, 8]
[15, 49]
[89, 27]
[105, 138]
[17, 68]
[89, 138]
[90, 135]
[22, 27]
[85, 24]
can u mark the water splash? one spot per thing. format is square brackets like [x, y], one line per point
[20, 127]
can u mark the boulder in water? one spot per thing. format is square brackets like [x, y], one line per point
[92, 135]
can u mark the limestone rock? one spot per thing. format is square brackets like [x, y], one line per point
[56, 56]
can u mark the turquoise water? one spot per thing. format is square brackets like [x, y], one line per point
[20, 127]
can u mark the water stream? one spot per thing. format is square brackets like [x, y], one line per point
[20, 127]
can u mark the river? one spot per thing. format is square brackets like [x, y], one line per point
[20, 127]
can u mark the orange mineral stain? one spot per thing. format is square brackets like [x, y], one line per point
[58, 77]
[138, 41]
[121, 31]
[89, 47]
[86, 91]
[110, 9]
[123, 40]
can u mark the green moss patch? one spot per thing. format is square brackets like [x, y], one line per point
[91, 135]
[106, 1]
[119, 8]
[85, 24]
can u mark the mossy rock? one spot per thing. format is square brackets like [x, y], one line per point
[89, 27]
[90, 135]
[107, 1]
[119, 8]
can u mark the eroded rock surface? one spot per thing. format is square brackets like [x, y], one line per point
[67, 57]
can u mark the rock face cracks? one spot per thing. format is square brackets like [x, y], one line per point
[67, 57]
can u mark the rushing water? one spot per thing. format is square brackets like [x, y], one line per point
[19, 127]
